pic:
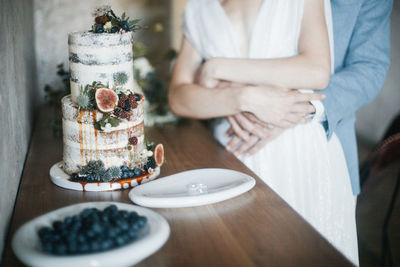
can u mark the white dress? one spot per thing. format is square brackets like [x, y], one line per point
[301, 165]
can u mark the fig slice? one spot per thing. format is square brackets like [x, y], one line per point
[106, 99]
[159, 154]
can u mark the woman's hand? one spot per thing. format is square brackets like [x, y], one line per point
[206, 75]
[249, 134]
[278, 106]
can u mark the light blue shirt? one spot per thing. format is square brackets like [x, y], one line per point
[362, 57]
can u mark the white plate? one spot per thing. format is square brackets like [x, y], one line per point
[60, 178]
[27, 247]
[192, 188]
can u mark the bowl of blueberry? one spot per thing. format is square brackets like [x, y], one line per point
[91, 234]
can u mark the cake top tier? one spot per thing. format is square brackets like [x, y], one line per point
[97, 39]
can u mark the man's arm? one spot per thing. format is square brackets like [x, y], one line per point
[366, 64]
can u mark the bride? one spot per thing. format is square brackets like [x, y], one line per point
[247, 64]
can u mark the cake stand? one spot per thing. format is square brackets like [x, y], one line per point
[62, 179]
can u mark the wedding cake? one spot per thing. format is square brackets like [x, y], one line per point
[103, 119]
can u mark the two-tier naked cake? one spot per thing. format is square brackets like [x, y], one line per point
[103, 119]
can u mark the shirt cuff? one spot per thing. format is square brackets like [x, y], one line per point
[319, 114]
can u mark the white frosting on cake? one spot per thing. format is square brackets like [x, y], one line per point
[100, 58]
[82, 142]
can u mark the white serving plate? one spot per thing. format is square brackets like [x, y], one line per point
[60, 178]
[27, 247]
[192, 188]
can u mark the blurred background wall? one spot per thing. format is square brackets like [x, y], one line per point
[18, 95]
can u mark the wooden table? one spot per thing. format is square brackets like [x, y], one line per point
[255, 229]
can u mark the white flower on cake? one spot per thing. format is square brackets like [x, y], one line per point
[143, 66]
[107, 128]
[144, 153]
[108, 25]
[119, 89]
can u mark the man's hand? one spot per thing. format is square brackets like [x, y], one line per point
[249, 134]
[279, 106]
[206, 74]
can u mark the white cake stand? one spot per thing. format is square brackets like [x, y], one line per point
[62, 179]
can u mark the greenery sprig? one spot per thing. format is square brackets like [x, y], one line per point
[107, 119]
[86, 99]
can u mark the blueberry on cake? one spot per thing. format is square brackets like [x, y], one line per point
[103, 118]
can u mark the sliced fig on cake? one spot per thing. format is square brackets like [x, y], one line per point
[159, 154]
[106, 99]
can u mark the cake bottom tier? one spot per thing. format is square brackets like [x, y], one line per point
[74, 157]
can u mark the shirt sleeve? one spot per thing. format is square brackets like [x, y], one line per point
[365, 67]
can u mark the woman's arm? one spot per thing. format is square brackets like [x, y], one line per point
[270, 104]
[310, 69]
[195, 101]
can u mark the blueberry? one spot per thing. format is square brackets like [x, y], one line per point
[151, 163]
[75, 226]
[140, 223]
[74, 176]
[84, 248]
[90, 233]
[125, 175]
[44, 231]
[48, 247]
[72, 247]
[131, 173]
[142, 219]
[86, 213]
[124, 225]
[137, 97]
[81, 239]
[68, 220]
[97, 228]
[124, 168]
[107, 244]
[57, 225]
[123, 214]
[72, 236]
[137, 171]
[119, 240]
[111, 210]
[94, 245]
[118, 221]
[99, 28]
[112, 207]
[113, 231]
[132, 233]
[94, 217]
[90, 177]
[60, 249]
[104, 219]
[133, 214]
[75, 218]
